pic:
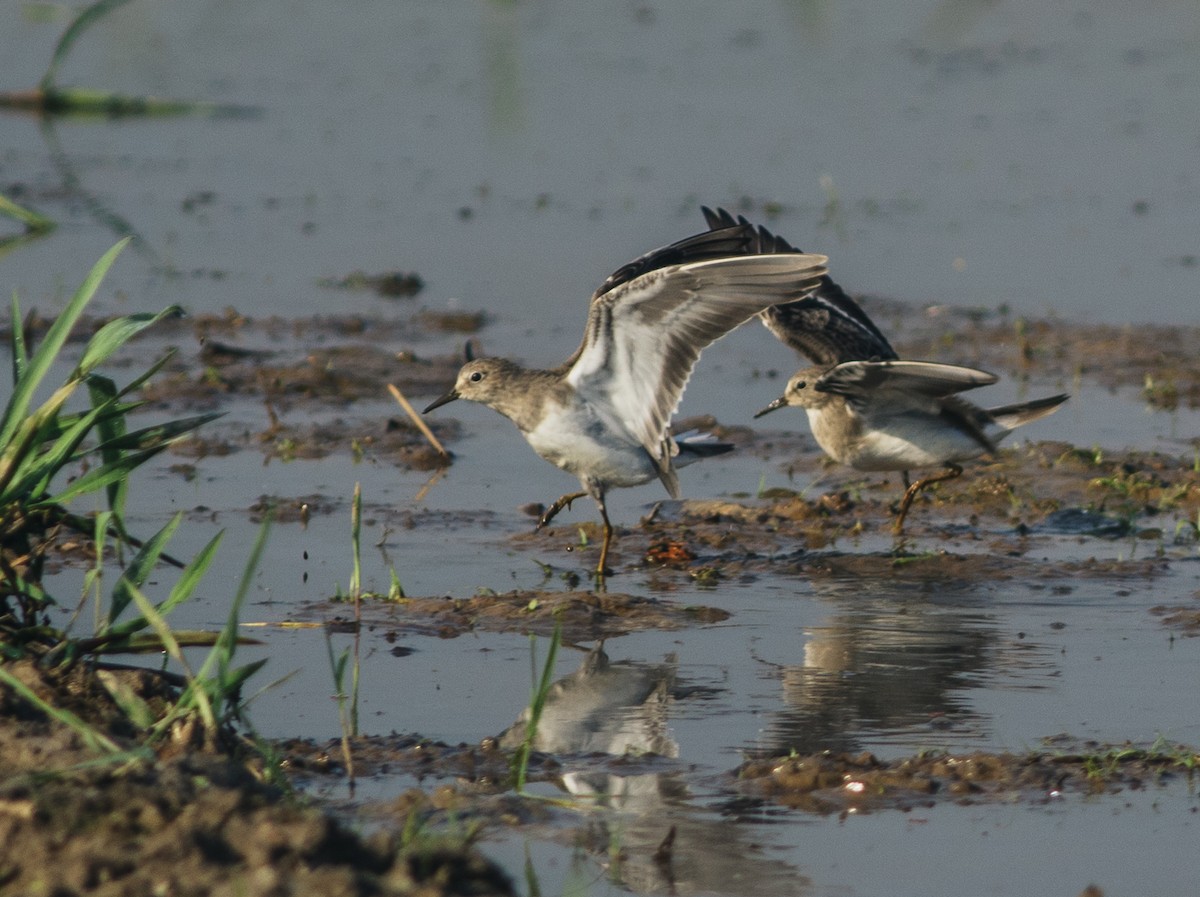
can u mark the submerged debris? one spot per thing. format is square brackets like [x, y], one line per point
[392, 285]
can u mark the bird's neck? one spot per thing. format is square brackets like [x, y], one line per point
[526, 392]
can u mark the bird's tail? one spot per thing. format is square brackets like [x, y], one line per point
[696, 444]
[1012, 416]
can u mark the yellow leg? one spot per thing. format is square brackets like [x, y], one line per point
[602, 567]
[552, 511]
[951, 471]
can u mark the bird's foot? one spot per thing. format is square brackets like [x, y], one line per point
[552, 511]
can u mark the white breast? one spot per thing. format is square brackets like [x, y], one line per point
[579, 441]
[896, 442]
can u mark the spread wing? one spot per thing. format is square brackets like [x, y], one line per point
[828, 326]
[734, 239]
[645, 335]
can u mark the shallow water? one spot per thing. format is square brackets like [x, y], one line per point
[975, 153]
[970, 154]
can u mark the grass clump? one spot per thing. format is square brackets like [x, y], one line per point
[53, 453]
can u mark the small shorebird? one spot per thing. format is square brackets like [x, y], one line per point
[903, 415]
[603, 414]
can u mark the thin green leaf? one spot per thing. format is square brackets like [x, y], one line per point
[93, 738]
[20, 450]
[34, 223]
[140, 567]
[222, 654]
[192, 692]
[231, 683]
[159, 434]
[100, 477]
[20, 353]
[183, 589]
[138, 382]
[103, 392]
[193, 573]
[64, 422]
[117, 332]
[88, 17]
[135, 709]
[35, 475]
[151, 643]
[51, 345]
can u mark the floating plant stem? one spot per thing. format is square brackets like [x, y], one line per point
[416, 419]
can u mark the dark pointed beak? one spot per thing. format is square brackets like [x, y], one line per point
[774, 406]
[444, 400]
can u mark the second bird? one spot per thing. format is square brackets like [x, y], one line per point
[904, 415]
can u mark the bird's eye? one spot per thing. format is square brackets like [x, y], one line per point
[800, 385]
[476, 376]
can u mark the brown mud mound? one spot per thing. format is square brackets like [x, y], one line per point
[1183, 619]
[834, 783]
[187, 822]
[1010, 506]
[583, 616]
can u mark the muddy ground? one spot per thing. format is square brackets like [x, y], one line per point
[189, 821]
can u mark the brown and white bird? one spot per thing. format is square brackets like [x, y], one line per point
[867, 408]
[603, 414]
[904, 415]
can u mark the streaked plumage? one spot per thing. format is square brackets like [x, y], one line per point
[904, 415]
[827, 326]
[603, 415]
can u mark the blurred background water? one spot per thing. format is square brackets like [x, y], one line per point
[974, 153]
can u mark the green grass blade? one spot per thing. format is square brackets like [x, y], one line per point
[149, 642]
[103, 392]
[159, 434]
[20, 454]
[182, 591]
[135, 709]
[20, 353]
[34, 223]
[32, 478]
[222, 653]
[355, 533]
[100, 477]
[231, 683]
[537, 704]
[117, 332]
[109, 411]
[93, 738]
[88, 17]
[193, 573]
[137, 384]
[140, 567]
[194, 691]
[51, 345]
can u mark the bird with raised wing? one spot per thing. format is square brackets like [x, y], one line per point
[604, 414]
[904, 415]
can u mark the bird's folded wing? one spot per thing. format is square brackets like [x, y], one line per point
[643, 338]
[923, 378]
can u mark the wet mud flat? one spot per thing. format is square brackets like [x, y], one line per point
[1045, 515]
[192, 820]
